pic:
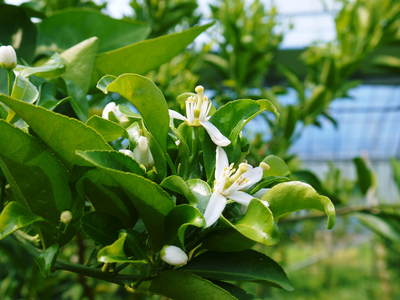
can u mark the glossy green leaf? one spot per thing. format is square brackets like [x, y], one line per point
[17, 29]
[236, 291]
[230, 120]
[115, 252]
[151, 104]
[201, 191]
[112, 160]
[24, 90]
[107, 197]
[64, 135]
[179, 219]
[176, 184]
[101, 227]
[36, 177]
[47, 259]
[52, 68]
[79, 63]
[149, 101]
[69, 27]
[14, 217]
[288, 197]
[267, 182]
[150, 200]
[108, 129]
[247, 265]
[257, 225]
[278, 167]
[180, 285]
[145, 56]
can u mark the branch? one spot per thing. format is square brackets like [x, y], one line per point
[342, 211]
[120, 279]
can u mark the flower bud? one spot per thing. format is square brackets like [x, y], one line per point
[127, 152]
[66, 217]
[142, 152]
[8, 57]
[113, 108]
[174, 256]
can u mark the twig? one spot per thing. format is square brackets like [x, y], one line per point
[342, 211]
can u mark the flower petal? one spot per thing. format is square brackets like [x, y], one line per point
[216, 136]
[241, 197]
[253, 176]
[175, 115]
[221, 162]
[214, 208]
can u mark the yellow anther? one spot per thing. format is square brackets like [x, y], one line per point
[265, 166]
[199, 89]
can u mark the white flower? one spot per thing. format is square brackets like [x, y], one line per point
[197, 109]
[174, 255]
[113, 108]
[66, 217]
[8, 57]
[141, 153]
[229, 184]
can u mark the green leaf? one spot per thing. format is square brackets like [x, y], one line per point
[64, 135]
[107, 197]
[365, 176]
[151, 104]
[36, 177]
[247, 265]
[46, 259]
[108, 129]
[382, 225]
[79, 63]
[101, 227]
[24, 90]
[236, 291]
[52, 68]
[145, 56]
[14, 217]
[115, 252]
[176, 184]
[278, 166]
[69, 27]
[257, 225]
[288, 197]
[17, 30]
[180, 285]
[230, 120]
[150, 200]
[112, 160]
[179, 219]
[201, 191]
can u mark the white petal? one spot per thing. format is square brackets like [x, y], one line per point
[241, 197]
[216, 136]
[260, 193]
[253, 176]
[110, 107]
[214, 208]
[221, 162]
[175, 115]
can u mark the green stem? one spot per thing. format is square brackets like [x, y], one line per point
[97, 273]
[9, 82]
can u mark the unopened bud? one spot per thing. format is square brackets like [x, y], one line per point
[127, 152]
[8, 57]
[174, 256]
[66, 217]
[142, 153]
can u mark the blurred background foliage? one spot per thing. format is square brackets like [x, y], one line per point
[243, 56]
